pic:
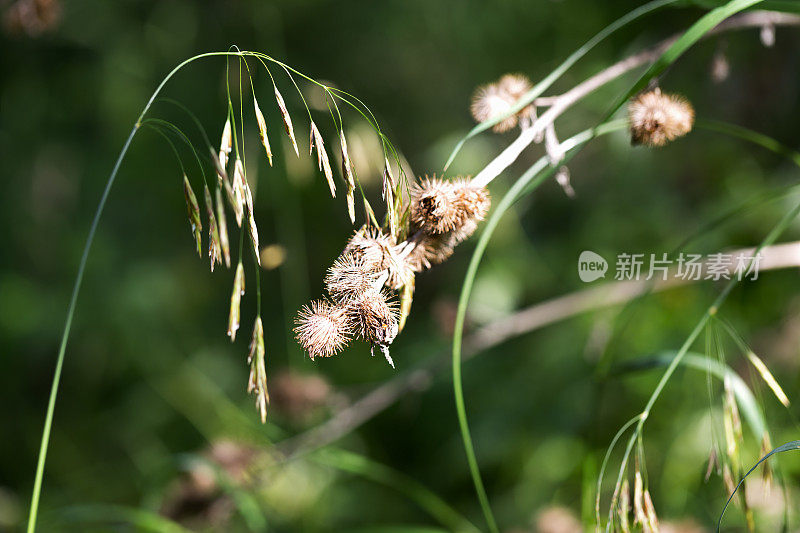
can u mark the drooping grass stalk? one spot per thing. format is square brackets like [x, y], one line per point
[37, 485]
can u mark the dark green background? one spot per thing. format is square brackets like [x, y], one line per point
[148, 358]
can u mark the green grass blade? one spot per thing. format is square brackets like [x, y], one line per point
[788, 447]
[751, 136]
[545, 84]
[744, 396]
[421, 495]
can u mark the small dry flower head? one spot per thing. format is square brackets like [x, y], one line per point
[657, 118]
[194, 213]
[440, 206]
[287, 120]
[496, 99]
[426, 250]
[323, 163]
[257, 384]
[236, 299]
[375, 320]
[223, 229]
[349, 277]
[225, 144]
[262, 130]
[214, 247]
[323, 329]
[380, 254]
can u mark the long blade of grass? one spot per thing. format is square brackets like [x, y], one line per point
[788, 447]
[543, 85]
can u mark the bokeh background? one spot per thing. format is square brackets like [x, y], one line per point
[153, 413]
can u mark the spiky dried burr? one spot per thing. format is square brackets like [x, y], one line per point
[381, 255]
[375, 320]
[657, 118]
[323, 329]
[496, 99]
[441, 206]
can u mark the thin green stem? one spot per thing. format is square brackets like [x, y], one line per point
[51, 404]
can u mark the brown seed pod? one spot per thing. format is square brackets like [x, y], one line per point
[496, 99]
[657, 118]
[380, 254]
[323, 329]
[374, 318]
[433, 208]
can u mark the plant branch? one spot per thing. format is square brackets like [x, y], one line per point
[559, 104]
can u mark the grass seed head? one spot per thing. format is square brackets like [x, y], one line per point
[225, 144]
[323, 163]
[262, 130]
[214, 246]
[323, 329]
[257, 384]
[287, 120]
[193, 211]
[657, 118]
[239, 194]
[236, 299]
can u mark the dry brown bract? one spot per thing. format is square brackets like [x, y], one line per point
[657, 118]
[496, 99]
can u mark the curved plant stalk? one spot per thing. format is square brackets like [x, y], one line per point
[788, 447]
[142, 520]
[705, 24]
[37, 486]
[531, 179]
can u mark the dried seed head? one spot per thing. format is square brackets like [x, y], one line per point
[441, 207]
[262, 130]
[223, 229]
[257, 384]
[214, 247]
[238, 191]
[657, 118]
[236, 299]
[379, 254]
[433, 206]
[194, 213]
[349, 277]
[496, 99]
[425, 250]
[374, 318]
[323, 329]
[624, 507]
[323, 163]
[225, 144]
[287, 120]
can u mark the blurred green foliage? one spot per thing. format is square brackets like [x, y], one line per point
[150, 380]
